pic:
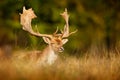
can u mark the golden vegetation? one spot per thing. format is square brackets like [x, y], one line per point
[87, 67]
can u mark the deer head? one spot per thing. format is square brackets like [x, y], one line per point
[55, 40]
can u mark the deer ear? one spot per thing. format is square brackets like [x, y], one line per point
[64, 41]
[47, 40]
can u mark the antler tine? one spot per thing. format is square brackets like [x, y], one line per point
[73, 32]
[26, 18]
[56, 31]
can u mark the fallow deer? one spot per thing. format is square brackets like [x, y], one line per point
[55, 41]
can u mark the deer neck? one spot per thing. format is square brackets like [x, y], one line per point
[49, 55]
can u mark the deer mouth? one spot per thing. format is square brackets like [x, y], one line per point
[61, 49]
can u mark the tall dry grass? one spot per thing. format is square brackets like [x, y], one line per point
[87, 67]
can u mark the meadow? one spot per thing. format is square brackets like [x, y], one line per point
[97, 22]
[86, 67]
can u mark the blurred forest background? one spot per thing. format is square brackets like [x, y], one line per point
[97, 21]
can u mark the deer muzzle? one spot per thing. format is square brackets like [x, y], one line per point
[61, 49]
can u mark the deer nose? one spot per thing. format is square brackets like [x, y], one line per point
[61, 49]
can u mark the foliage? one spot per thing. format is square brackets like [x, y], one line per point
[96, 20]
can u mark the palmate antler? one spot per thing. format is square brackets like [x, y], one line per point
[27, 16]
[65, 32]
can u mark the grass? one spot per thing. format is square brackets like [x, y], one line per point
[87, 67]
